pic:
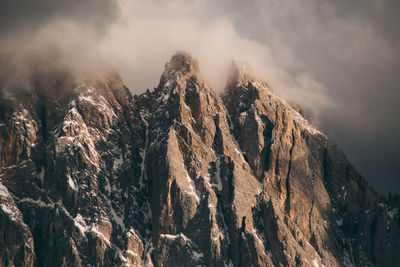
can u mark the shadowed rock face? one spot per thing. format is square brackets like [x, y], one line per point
[179, 176]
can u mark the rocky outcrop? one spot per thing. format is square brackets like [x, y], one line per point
[202, 187]
[74, 163]
[16, 242]
[179, 176]
[318, 206]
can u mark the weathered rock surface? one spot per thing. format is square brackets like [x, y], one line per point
[179, 176]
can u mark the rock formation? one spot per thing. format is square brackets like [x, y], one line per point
[179, 176]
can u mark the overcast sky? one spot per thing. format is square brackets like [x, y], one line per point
[339, 59]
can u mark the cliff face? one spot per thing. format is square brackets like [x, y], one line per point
[179, 176]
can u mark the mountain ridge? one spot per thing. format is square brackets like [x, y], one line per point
[179, 176]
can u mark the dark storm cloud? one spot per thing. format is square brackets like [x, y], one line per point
[339, 59]
[382, 14]
[17, 16]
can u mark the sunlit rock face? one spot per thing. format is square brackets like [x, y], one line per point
[179, 176]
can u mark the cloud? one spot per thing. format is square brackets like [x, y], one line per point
[140, 40]
[23, 16]
[43, 35]
[148, 33]
[63, 44]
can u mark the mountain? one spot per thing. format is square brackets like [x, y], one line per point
[179, 176]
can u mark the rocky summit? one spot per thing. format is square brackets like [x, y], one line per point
[179, 176]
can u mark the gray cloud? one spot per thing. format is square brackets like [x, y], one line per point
[21, 16]
[45, 34]
[338, 59]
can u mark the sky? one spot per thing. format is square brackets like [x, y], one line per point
[338, 59]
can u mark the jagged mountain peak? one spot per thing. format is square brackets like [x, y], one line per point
[182, 87]
[241, 73]
[181, 177]
[181, 66]
[182, 62]
[247, 93]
